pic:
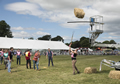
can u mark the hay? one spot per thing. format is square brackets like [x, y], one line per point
[90, 70]
[114, 74]
[79, 13]
[44, 67]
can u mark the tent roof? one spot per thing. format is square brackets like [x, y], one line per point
[108, 45]
[31, 44]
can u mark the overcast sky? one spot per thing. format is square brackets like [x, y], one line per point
[35, 18]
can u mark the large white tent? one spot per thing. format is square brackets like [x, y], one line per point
[31, 44]
[107, 45]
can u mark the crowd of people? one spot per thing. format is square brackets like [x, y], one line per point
[6, 55]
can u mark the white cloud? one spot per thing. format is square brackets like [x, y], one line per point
[21, 34]
[62, 11]
[110, 37]
[84, 35]
[45, 29]
[100, 40]
[24, 8]
[42, 33]
[67, 38]
[31, 28]
[21, 28]
[17, 28]
[25, 34]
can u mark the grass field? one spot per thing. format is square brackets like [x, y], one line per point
[61, 73]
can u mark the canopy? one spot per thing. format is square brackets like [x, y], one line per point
[107, 45]
[31, 44]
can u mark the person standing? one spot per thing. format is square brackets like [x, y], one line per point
[28, 59]
[5, 57]
[18, 56]
[10, 59]
[35, 59]
[38, 57]
[50, 57]
[1, 55]
[73, 57]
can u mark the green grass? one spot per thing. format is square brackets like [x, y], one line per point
[61, 73]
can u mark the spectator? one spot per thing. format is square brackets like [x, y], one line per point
[35, 59]
[10, 59]
[28, 59]
[18, 56]
[49, 54]
[5, 57]
[1, 56]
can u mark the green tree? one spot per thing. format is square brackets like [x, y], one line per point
[67, 44]
[31, 38]
[112, 42]
[57, 38]
[5, 29]
[46, 37]
[85, 43]
[75, 44]
[106, 42]
[82, 38]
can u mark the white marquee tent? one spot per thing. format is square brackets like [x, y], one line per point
[31, 44]
[107, 45]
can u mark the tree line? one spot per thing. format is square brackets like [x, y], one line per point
[84, 42]
[48, 37]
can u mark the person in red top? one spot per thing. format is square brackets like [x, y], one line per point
[35, 59]
[28, 59]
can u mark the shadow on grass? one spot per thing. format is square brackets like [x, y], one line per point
[103, 71]
[22, 64]
[43, 69]
[16, 71]
[14, 67]
[3, 69]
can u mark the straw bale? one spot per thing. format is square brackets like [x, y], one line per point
[89, 70]
[114, 74]
[79, 13]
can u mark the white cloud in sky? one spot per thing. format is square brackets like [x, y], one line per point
[68, 38]
[21, 28]
[42, 33]
[21, 34]
[17, 28]
[110, 37]
[62, 11]
[24, 34]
